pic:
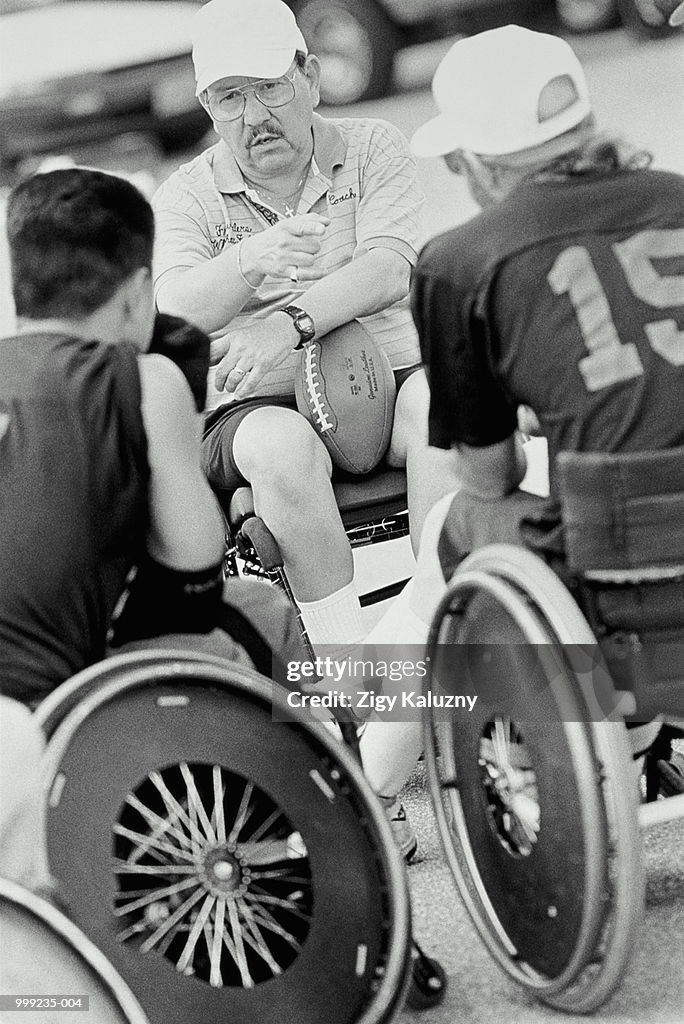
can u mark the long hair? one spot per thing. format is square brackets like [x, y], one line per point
[599, 154]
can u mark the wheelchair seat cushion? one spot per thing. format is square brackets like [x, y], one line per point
[622, 511]
[384, 489]
[642, 607]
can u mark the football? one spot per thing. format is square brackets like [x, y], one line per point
[344, 385]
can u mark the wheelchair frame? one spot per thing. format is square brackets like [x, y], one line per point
[373, 509]
[600, 760]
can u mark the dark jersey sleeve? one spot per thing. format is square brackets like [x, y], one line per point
[188, 347]
[467, 402]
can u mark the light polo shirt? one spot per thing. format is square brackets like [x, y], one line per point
[362, 177]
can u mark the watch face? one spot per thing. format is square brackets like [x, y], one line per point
[305, 325]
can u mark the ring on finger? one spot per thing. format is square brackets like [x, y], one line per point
[239, 372]
[293, 273]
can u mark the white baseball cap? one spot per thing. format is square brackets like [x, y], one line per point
[250, 38]
[488, 89]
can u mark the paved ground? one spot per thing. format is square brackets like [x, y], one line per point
[479, 993]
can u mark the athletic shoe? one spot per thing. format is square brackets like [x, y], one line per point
[404, 836]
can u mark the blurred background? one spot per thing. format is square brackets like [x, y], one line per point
[109, 83]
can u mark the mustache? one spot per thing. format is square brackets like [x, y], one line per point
[267, 128]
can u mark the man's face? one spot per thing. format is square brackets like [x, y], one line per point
[271, 141]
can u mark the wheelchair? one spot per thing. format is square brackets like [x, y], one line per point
[373, 508]
[44, 952]
[231, 866]
[536, 792]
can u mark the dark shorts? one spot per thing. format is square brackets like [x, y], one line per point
[221, 424]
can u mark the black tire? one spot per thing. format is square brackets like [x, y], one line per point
[645, 18]
[587, 15]
[355, 42]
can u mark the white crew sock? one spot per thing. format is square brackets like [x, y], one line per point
[399, 625]
[335, 619]
[389, 752]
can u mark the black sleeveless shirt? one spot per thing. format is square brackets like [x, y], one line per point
[73, 503]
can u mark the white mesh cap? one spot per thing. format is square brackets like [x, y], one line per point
[250, 38]
[488, 90]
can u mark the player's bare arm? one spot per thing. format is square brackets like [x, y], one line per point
[211, 294]
[186, 529]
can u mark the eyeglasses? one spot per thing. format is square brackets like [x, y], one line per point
[272, 92]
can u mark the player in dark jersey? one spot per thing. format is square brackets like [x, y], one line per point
[99, 473]
[564, 295]
[99, 450]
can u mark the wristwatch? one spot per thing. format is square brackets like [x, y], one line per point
[303, 322]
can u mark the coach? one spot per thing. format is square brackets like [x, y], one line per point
[288, 227]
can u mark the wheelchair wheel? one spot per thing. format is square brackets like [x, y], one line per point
[43, 952]
[231, 866]
[534, 802]
[54, 708]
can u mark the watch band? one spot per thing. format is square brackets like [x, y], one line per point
[303, 323]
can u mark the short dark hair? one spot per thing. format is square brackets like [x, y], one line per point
[74, 236]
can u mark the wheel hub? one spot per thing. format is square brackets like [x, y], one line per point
[510, 787]
[223, 872]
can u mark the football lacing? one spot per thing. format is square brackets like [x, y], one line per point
[313, 391]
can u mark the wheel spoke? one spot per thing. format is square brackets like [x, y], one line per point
[195, 801]
[241, 955]
[243, 812]
[501, 741]
[273, 901]
[218, 816]
[134, 929]
[172, 921]
[215, 945]
[280, 874]
[158, 824]
[123, 867]
[261, 917]
[147, 844]
[172, 805]
[255, 836]
[154, 896]
[246, 977]
[195, 932]
[255, 939]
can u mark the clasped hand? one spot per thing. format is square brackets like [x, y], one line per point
[292, 242]
[244, 356]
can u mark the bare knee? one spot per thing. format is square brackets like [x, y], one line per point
[410, 428]
[278, 449]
